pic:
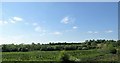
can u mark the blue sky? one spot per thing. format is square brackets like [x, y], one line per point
[45, 22]
[59, 0]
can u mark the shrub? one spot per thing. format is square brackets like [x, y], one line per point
[113, 51]
[64, 57]
[84, 48]
[79, 48]
[118, 51]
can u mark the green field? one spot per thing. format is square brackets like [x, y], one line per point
[99, 51]
[76, 55]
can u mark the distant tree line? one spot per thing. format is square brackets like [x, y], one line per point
[88, 44]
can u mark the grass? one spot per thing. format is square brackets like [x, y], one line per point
[30, 56]
[52, 56]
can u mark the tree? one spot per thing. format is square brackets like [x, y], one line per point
[118, 43]
[112, 49]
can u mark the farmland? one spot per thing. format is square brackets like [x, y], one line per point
[109, 51]
[85, 55]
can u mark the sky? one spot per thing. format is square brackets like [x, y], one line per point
[60, 0]
[44, 22]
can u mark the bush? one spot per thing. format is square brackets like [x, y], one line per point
[64, 57]
[113, 51]
[79, 48]
[118, 51]
[84, 48]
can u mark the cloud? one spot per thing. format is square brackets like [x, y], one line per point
[1, 22]
[92, 32]
[38, 29]
[12, 21]
[5, 22]
[67, 20]
[56, 33]
[17, 19]
[95, 32]
[35, 24]
[89, 32]
[74, 27]
[71, 30]
[109, 31]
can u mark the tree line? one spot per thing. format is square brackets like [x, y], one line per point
[86, 45]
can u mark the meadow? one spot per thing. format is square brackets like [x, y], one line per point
[44, 56]
[106, 53]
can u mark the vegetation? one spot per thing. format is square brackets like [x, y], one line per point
[91, 44]
[88, 51]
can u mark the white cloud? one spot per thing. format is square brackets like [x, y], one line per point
[35, 24]
[57, 33]
[5, 22]
[71, 30]
[92, 32]
[12, 21]
[17, 19]
[67, 20]
[38, 29]
[89, 32]
[109, 31]
[95, 32]
[74, 27]
[1, 22]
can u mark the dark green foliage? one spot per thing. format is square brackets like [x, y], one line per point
[31, 62]
[113, 51]
[60, 56]
[111, 48]
[88, 44]
[79, 48]
[59, 62]
[118, 43]
[84, 48]
[64, 57]
[88, 51]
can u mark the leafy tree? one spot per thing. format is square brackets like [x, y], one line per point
[112, 49]
[118, 43]
[88, 44]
